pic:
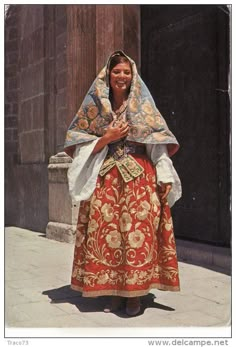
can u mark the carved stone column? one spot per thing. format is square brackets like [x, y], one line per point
[62, 213]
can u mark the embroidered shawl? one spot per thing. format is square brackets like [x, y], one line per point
[95, 114]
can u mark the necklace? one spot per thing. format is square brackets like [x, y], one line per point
[119, 114]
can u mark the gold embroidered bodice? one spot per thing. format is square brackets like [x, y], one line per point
[119, 153]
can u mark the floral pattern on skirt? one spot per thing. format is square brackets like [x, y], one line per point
[125, 243]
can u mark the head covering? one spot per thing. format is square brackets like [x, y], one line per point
[95, 114]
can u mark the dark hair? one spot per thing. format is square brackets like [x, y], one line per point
[117, 59]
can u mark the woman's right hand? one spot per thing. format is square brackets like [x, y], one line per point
[116, 132]
[112, 133]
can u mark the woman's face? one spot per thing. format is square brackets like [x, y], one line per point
[120, 78]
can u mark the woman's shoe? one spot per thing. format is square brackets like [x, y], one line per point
[117, 302]
[133, 306]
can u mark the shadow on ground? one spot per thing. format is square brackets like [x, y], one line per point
[66, 295]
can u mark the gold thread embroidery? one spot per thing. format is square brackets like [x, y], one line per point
[128, 167]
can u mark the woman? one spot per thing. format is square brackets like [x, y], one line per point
[123, 177]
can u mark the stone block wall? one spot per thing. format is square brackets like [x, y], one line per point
[63, 215]
[35, 108]
[31, 78]
[11, 111]
[61, 102]
[31, 168]
[52, 54]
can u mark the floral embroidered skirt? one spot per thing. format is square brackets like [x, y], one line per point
[125, 243]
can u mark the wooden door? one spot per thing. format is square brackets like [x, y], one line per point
[185, 63]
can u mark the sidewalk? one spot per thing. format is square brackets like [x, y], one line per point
[38, 294]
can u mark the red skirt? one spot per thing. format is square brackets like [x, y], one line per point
[125, 243]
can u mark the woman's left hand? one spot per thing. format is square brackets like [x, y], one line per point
[165, 189]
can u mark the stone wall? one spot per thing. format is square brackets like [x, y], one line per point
[35, 108]
[11, 112]
[52, 55]
[61, 67]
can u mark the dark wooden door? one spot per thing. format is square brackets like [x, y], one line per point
[185, 63]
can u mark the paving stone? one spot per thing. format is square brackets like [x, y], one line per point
[38, 294]
[18, 275]
[194, 319]
[14, 314]
[33, 311]
[196, 271]
[221, 312]
[13, 298]
[31, 296]
[62, 321]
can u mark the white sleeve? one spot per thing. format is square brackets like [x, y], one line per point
[84, 170]
[165, 171]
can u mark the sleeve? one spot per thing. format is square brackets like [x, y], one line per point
[165, 171]
[84, 170]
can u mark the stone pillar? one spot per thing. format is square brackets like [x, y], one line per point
[117, 27]
[62, 214]
[93, 33]
[109, 32]
[81, 54]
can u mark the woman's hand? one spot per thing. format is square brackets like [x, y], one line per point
[112, 133]
[116, 132]
[165, 189]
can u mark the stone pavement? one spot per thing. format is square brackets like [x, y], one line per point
[38, 295]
